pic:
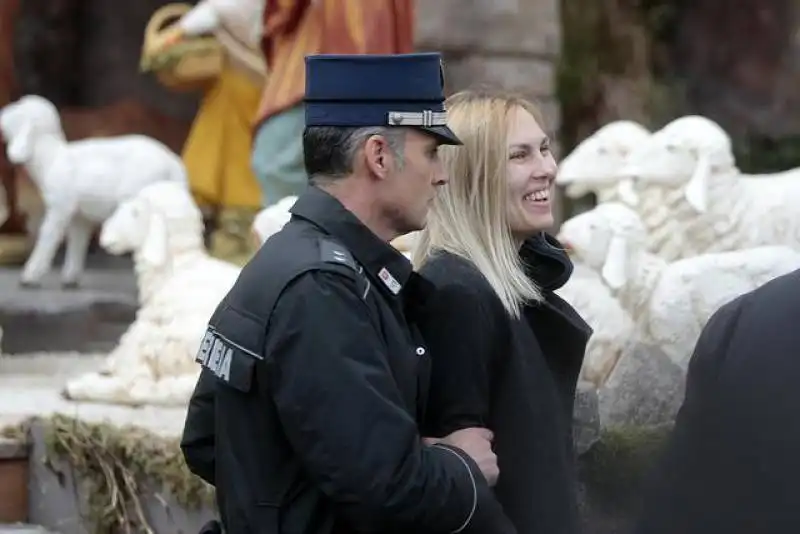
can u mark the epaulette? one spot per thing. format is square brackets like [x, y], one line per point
[332, 252]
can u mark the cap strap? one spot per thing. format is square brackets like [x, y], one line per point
[425, 118]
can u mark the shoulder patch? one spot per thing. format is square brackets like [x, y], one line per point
[229, 362]
[332, 252]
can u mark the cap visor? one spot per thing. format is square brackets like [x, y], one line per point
[443, 134]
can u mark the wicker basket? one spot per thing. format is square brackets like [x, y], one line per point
[190, 65]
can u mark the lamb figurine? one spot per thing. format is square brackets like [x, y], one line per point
[595, 165]
[81, 182]
[271, 219]
[728, 210]
[180, 286]
[598, 165]
[669, 302]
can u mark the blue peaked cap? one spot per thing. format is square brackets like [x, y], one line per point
[378, 90]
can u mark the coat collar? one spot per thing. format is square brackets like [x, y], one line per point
[381, 261]
[548, 264]
[546, 261]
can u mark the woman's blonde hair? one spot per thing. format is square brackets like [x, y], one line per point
[469, 216]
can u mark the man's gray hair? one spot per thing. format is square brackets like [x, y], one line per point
[330, 151]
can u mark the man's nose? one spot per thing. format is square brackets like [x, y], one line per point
[440, 175]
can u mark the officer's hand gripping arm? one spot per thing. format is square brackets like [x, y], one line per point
[342, 412]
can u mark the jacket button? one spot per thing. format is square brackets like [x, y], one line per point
[420, 351]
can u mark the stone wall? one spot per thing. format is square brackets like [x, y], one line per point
[513, 44]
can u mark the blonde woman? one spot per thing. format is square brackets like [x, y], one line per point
[506, 350]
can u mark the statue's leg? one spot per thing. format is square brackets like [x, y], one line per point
[51, 234]
[79, 233]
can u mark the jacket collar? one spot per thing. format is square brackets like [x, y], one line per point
[548, 264]
[546, 261]
[382, 261]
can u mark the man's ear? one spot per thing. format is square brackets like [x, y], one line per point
[377, 154]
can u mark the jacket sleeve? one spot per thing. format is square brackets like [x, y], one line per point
[197, 442]
[343, 413]
[463, 336]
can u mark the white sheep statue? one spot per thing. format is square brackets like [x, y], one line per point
[612, 325]
[271, 219]
[669, 302]
[81, 182]
[728, 210]
[598, 165]
[595, 165]
[180, 286]
[665, 215]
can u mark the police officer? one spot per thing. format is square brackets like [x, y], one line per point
[314, 375]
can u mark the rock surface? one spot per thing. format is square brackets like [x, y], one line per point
[586, 417]
[645, 388]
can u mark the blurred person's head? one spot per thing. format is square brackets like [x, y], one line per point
[499, 193]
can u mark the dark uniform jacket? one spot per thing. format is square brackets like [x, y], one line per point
[733, 460]
[305, 416]
[515, 376]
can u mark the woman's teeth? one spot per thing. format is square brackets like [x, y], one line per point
[538, 196]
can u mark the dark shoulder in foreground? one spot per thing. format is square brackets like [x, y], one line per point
[775, 304]
[785, 290]
[776, 300]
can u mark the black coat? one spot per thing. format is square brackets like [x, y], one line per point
[733, 461]
[515, 376]
[305, 416]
